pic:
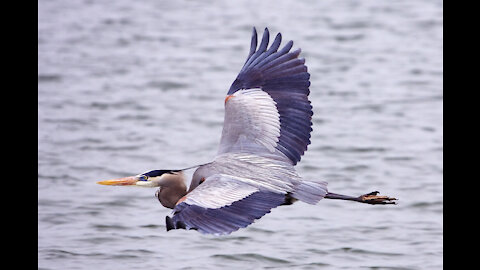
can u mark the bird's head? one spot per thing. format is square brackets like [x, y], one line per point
[155, 178]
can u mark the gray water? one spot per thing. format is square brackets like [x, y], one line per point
[129, 86]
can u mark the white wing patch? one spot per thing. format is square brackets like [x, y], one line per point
[218, 191]
[252, 122]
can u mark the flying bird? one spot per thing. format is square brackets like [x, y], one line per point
[266, 130]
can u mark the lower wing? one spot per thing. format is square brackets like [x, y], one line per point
[223, 204]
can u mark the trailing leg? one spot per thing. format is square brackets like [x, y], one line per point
[370, 198]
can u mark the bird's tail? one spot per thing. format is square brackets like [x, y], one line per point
[310, 192]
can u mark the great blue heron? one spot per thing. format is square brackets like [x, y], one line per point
[266, 130]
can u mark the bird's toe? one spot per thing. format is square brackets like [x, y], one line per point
[373, 198]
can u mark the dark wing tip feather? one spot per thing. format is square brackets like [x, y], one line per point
[261, 49]
[276, 42]
[253, 44]
[169, 223]
[265, 40]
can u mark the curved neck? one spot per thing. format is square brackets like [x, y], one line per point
[169, 196]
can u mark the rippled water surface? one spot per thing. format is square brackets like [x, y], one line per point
[129, 86]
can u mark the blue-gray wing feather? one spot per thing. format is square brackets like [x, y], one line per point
[229, 218]
[223, 204]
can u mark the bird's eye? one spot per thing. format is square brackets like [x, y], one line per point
[143, 177]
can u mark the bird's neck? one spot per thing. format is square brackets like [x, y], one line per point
[169, 196]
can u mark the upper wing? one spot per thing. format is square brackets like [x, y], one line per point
[223, 204]
[251, 124]
[277, 115]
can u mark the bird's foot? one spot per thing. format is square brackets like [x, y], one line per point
[372, 198]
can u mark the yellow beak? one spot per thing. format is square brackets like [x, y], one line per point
[125, 181]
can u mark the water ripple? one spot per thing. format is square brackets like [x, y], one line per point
[250, 257]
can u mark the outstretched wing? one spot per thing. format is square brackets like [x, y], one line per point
[223, 204]
[267, 107]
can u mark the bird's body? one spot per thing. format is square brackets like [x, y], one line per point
[267, 126]
[234, 177]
